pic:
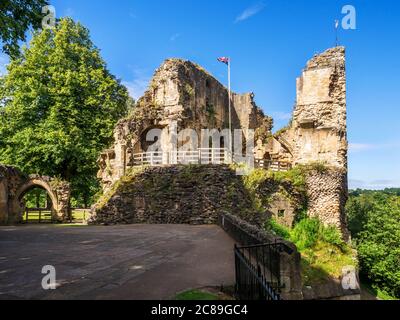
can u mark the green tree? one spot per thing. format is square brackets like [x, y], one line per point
[374, 221]
[58, 107]
[16, 17]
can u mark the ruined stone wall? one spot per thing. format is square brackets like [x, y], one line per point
[180, 92]
[183, 92]
[10, 179]
[319, 120]
[14, 185]
[317, 133]
[175, 194]
[327, 197]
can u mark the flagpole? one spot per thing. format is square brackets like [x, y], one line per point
[230, 109]
[336, 32]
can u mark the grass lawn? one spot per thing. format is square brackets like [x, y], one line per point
[81, 214]
[196, 295]
[77, 215]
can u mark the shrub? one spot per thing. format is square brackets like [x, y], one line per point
[306, 233]
[332, 236]
[295, 175]
[309, 231]
[323, 252]
[278, 229]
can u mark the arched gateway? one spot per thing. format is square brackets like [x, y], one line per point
[14, 185]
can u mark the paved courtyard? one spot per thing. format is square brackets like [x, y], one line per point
[117, 262]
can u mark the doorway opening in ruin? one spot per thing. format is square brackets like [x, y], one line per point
[267, 157]
[37, 205]
[152, 137]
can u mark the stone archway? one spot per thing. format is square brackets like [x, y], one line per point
[58, 191]
[3, 201]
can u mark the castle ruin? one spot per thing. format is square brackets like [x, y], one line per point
[183, 94]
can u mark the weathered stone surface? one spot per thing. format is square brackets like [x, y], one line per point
[331, 289]
[10, 179]
[176, 194]
[327, 197]
[182, 91]
[319, 120]
[318, 133]
[283, 210]
[14, 185]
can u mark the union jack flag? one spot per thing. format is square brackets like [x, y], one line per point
[224, 60]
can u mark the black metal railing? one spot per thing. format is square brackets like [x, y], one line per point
[236, 232]
[258, 261]
[254, 281]
[242, 236]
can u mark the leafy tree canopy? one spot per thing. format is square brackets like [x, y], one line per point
[16, 16]
[374, 221]
[58, 106]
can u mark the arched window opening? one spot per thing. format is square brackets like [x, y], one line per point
[37, 206]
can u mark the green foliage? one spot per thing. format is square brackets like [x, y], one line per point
[196, 295]
[301, 214]
[331, 235]
[16, 18]
[374, 221]
[323, 252]
[276, 228]
[35, 198]
[357, 210]
[262, 184]
[103, 198]
[58, 107]
[189, 90]
[210, 110]
[296, 176]
[306, 233]
[309, 231]
[256, 177]
[325, 261]
[318, 166]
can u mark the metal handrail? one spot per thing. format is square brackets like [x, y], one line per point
[203, 156]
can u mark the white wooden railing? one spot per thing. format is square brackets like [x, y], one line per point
[202, 156]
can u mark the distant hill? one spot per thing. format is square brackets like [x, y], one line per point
[388, 191]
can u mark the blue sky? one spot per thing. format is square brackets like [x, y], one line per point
[269, 43]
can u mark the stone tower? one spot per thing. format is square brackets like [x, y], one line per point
[319, 119]
[318, 134]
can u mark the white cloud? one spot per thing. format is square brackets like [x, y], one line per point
[175, 37]
[358, 147]
[361, 147]
[249, 12]
[139, 84]
[136, 87]
[373, 185]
